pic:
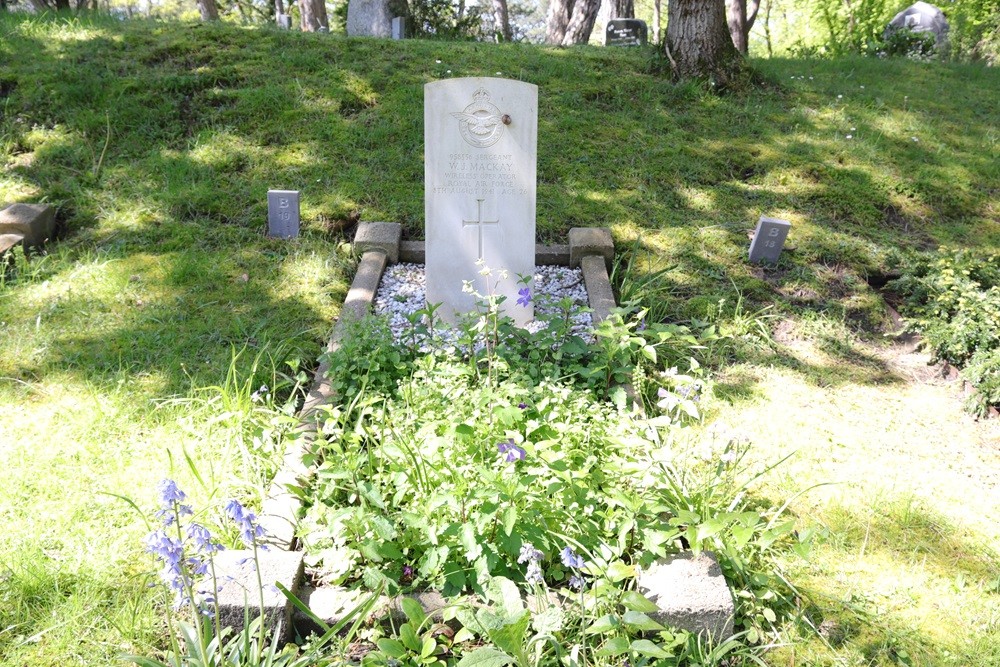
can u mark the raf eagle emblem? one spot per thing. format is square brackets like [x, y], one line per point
[480, 123]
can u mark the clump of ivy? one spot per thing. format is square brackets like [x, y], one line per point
[952, 298]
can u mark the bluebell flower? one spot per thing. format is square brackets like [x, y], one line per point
[524, 297]
[534, 573]
[529, 553]
[202, 539]
[570, 558]
[576, 582]
[511, 450]
[171, 501]
[246, 522]
[522, 406]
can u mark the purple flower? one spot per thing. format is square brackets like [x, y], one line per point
[245, 521]
[202, 539]
[576, 582]
[512, 451]
[529, 553]
[171, 498]
[407, 571]
[570, 558]
[169, 493]
[522, 406]
[534, 573]
[523, 297]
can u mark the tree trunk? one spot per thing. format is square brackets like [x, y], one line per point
[699, 43]
[582, 23]
[209, 12]
[557, 21]
[313, 15]
[623, 9]
[656, 21]
[501, 23]
[741, 14]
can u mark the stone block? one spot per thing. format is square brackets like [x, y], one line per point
[8, 241]
[35, 222]
[585, 241]
[384, 236]
[599, 292]
[239, 590]
[691, 593]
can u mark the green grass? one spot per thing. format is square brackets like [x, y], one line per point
[158, 142]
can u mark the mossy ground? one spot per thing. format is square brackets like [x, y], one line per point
[157, 143]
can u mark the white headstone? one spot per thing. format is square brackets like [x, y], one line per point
[480, 155]
[768, 239]
[283, 213]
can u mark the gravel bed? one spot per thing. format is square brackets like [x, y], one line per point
[401, 294]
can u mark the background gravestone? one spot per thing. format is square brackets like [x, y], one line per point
[369, 18]
[768, 240]
[283, 213]
[284, 21]
[399, 27]
[480, 155]
[625, 32]
[921, 17]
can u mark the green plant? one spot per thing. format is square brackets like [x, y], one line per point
[418, 642]
[906, 43]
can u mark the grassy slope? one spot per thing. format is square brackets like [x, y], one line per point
[158, 142]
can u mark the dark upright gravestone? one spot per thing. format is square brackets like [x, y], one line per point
[625, 32]
[283, 213]
[768, 239]
[921, 17]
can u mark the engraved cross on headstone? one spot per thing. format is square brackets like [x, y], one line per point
[479, 222]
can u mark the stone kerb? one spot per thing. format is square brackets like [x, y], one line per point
[593, 250]
[692, 594]
[280, 511]
[33, 223]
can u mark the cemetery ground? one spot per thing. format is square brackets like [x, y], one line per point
[138, 339]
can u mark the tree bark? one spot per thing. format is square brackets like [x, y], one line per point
[656, 21]
[209, 12]
[501, 23]
[623, 9]
[557, 21]
[741, 14]
[313, 15]
[582, 22]
[699, 43]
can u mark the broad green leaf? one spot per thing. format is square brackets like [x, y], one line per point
[383, 528]
[428, 648]
[470, 542]
[509, 519]
[511, 637]
[486, 656]
[604, 624]
[391, 647]
[614, 646]
[414, 612]
[648, 648]
[636, 601]
[640, 621]
[409, 638]
[619, 571]
[505, 593]
[769, 614]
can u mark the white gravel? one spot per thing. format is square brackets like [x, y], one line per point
[401, 294]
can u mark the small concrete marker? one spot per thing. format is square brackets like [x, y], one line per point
[283, 213]
[691, 593]
[35, 222]
[238, 586]
[768, 240]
